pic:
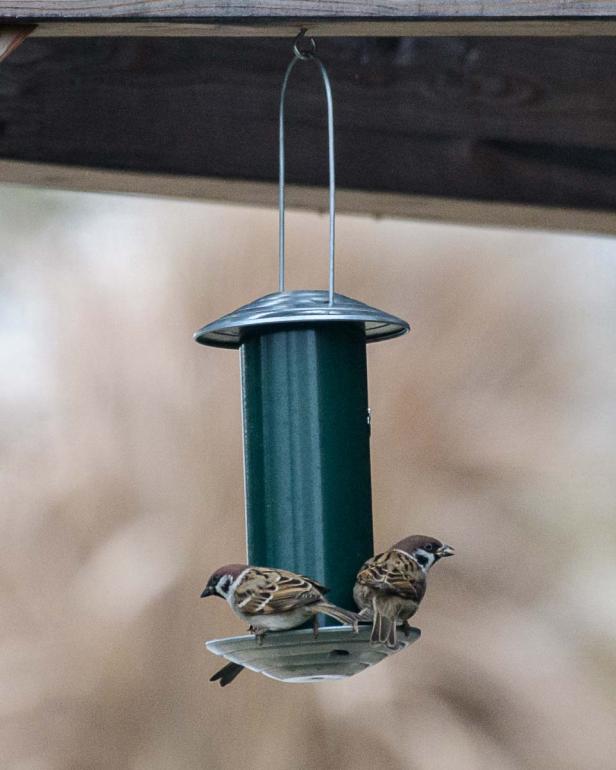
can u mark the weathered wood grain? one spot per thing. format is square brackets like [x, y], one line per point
[328, 17]
[530, 122]
[320, 9]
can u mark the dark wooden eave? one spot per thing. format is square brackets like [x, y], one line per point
[488, 127]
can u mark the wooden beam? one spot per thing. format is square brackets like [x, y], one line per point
[529, 121]
[321, 17]
[248, 10]
[11, 38]
[264, 194]
[336, 28]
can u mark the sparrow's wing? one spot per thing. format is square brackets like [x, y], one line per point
[265, 591]
[394, 572]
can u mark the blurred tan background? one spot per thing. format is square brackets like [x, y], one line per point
[121, 485]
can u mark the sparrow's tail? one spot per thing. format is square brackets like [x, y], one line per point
[346, 617]
[384, 631]
[227, 674]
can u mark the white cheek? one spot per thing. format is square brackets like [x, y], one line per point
[223, 585]
[424, 558]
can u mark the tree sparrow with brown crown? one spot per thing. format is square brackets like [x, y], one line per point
[390, 585]
[270, 600]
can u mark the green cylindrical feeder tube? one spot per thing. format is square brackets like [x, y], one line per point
[306, 451]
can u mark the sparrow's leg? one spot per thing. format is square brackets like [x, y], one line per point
[259, 635]
[315, 627]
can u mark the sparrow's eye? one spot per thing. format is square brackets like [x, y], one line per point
[428, 547]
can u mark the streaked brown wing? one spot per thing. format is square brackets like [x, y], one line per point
[265, 591]
[395, 573]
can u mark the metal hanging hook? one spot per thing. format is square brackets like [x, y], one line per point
[305, 53]
[309, 54]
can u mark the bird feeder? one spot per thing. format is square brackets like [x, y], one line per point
[306, 425]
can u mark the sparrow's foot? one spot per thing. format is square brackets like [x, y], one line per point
[406, 628]
[259, 635]
[388, 645]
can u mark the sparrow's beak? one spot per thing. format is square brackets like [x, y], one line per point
[207, 591]
[445, 550]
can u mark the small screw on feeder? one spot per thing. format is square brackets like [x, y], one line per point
[306, 443]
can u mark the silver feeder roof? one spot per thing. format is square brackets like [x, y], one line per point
[292, 307]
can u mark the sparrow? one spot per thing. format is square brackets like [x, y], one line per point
[390, 585]
[270, 600]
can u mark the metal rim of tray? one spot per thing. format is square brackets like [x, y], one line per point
[295, 656]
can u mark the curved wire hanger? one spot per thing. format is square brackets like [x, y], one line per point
[306, 54]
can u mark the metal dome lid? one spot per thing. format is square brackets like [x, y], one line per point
[292, 307]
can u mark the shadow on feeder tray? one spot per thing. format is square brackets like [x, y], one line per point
[296, 656]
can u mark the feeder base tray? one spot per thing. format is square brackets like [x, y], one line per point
[295, 656]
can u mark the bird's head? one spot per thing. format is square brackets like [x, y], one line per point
[222, 579]
[425, 550]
